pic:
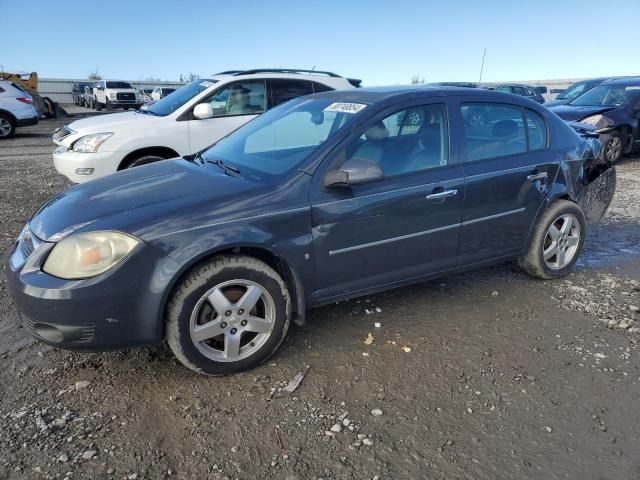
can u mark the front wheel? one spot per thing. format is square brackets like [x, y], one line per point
[613, 148]
[228, 315]
[556, 242]
[98, 105]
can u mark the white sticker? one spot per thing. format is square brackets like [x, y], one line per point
[206, 84]
[345, 107]
[633, 87]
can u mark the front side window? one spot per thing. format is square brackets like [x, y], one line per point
[500, 133]
[282, 138]
[171, 103]
[285, 90]
[409, 140]
[240, 98]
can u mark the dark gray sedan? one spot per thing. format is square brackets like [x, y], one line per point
[324, 198]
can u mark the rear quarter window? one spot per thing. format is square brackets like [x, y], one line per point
[537, 131]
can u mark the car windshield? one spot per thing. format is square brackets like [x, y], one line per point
[573, 91]
[282, 138]
[170, 103]
[119, 85]
[606, 96]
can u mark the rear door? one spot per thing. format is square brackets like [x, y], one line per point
[234, 104]
[508, 170]
[403, 226]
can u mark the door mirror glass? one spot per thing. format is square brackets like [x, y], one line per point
[355, 171]
[203, 111]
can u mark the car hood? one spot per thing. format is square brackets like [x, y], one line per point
[576, 113]
[137, 200]
[112, 122]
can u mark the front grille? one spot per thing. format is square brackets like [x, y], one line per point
[125, 96]
[29, 242]
[62, 133]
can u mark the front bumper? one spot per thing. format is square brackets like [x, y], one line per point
[82, 167]
[118, 309]
[123, 103]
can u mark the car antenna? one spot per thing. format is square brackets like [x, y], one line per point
[482, 64]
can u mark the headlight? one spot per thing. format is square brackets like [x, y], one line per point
[592, 120]
[88, 254]
[112, 95]
[90, 143]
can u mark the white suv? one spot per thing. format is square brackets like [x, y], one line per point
[16, 109]
[185, 122]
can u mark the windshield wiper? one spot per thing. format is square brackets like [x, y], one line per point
[228, 169]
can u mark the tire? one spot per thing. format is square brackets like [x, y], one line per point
[544, 241]
[107, 105]
[143, 160]
[98, 105]
[7, 127]
[613, 148]
[228, 279]
[125, 108]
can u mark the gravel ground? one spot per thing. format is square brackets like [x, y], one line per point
[485, 375]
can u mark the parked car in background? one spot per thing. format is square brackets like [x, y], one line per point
[296, 209]
[16, 109]
[161, 92]
[145, 93]
[77, 92]
[112, 94]
[526, 91]
[185, 122]
[613, 108]
[89, 97]
[574, 90]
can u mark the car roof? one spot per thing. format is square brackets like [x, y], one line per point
[374, 95]
[623, 82]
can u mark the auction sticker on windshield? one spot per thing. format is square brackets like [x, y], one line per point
[345, 107]
[206, 84]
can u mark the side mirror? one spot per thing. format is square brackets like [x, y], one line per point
[203, 111]
[355, 171]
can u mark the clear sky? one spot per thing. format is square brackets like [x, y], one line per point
[382, 42]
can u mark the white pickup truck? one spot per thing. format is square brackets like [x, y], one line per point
[111, 94]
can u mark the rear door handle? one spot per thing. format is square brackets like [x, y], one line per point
[537, 176]
[443, 194]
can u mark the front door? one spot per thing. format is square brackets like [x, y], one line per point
[233, 105]
[508, 170]
[404, 225]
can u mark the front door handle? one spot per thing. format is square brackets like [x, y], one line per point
[537, 176]
[443, 194]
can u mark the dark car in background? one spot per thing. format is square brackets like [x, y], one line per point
[612, 109]
[574, 90]
[323, 198]
[527, 91]
[77, 92]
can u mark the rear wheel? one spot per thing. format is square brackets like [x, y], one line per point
[228, 315]
[556, 242]
[7, 127]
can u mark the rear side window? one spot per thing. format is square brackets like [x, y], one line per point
[285, 90]
[537, 131]
[320, 87]
[492, 130]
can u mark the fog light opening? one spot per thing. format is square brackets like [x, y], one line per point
[48, 332]
[85, 171]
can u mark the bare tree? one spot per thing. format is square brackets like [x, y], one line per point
[190, 77]
[416, 79]
[94, 75]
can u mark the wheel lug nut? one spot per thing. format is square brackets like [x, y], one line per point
[228, 313]
[223, 325]
[241, 312]
[233, 331]
[243, 323]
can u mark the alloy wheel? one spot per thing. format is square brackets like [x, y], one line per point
[613, 149]
[232, 320]
[5, 127]
[561, 241]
